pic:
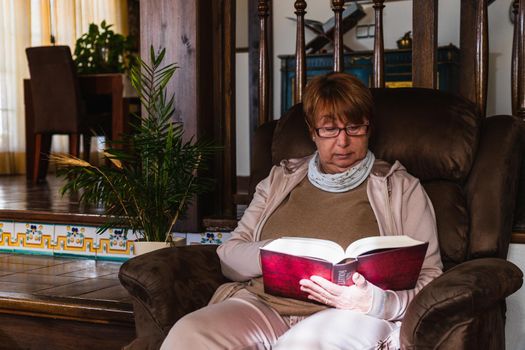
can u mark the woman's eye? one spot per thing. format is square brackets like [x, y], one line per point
[330, 129]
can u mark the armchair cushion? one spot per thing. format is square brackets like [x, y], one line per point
[291, 138]
[456, 299]
[440, 132]
[452, 218]
[420, 117]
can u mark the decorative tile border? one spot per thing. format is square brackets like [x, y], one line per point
[82, 240]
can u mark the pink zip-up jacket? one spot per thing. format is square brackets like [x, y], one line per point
[399, 202]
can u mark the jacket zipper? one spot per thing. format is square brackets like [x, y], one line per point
[388, 193]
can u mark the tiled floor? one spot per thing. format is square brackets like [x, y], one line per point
[63, 277]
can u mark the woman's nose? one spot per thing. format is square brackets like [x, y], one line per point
[343, 139]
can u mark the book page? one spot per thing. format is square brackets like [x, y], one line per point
[369, 244]
[308, 247]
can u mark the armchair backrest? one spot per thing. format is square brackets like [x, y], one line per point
[54, 89]
[461, 159]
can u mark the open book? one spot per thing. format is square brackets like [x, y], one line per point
[389, 262]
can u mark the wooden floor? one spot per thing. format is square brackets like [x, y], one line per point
[20, 199]
[49, 302]
[64, 277]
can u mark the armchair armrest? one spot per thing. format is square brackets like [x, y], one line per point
[456, 298]
[496, 170]
[169, 283]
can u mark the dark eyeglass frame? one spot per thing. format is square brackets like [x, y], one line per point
[346, 129]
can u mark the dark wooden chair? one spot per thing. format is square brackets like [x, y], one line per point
[59, 107]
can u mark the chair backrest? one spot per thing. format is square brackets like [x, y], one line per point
[436, 136]
[54, 89]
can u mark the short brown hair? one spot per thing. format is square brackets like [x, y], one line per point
[340, 95]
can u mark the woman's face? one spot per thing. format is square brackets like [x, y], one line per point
[338, 154]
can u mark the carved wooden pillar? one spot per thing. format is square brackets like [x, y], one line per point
[337, 7]
[518, 60]
[379, 46]
[202, 87]
[482, 55]
[264, 72]
[474, 52]
[514, 61]
[424, 44]
[300, 60]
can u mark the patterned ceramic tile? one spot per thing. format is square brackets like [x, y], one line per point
[75, 240]
[207, 237]
[115, 243]
[80, 240]
[32, 237]
[7, 229]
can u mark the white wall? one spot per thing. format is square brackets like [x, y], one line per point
[515, 326]
[242, 114]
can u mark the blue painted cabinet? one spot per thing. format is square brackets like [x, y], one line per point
[398, 69]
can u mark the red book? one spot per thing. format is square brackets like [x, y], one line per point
[389, 262]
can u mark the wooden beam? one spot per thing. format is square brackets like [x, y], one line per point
[337, 7]
[518, 60]
[264, 72]
[424, 44]
[195, 37]
[300, 60]
[474, 52]
[379, 47]
[222, 115]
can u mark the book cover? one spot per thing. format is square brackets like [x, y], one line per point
[395, 268]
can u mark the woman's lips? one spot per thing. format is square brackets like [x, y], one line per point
[342, 156]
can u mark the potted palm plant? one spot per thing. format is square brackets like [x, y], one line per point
[148, 181]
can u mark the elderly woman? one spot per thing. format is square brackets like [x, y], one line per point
[341, 193]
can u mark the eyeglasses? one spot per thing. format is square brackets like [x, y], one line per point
[350, 130]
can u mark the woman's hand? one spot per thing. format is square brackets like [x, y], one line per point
[357, 297]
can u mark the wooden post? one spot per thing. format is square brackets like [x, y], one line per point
[424, 44]
[300, 61]
[187, 30]
[264, 75]
[379, 46]
[337, 7]
[518, 60]
[482, 55]
[515, 55]
[474, 52]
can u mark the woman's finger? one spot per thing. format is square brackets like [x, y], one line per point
[359, 280]
[331, 287]
[316, 292]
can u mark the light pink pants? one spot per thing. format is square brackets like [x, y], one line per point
[244, 322]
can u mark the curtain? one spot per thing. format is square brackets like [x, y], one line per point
[25, 23]
[15, 36]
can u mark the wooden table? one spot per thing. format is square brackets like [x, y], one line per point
[114, 84]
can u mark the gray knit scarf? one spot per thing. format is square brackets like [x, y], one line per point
[340, 182]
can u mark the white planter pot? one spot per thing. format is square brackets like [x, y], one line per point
[146, 247]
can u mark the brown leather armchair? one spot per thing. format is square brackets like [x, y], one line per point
[469, 167]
